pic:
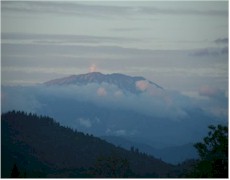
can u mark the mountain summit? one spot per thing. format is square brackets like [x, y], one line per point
[122, 81]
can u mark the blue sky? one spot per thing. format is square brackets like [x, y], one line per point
[179, 45]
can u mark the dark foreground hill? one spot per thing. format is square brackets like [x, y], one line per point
[40, 147]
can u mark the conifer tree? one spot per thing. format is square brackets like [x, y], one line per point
[15, 172]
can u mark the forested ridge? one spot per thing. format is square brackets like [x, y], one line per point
[39, 146]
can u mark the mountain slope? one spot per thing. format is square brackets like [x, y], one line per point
[122, 81]
[171, 154]
[41, 146]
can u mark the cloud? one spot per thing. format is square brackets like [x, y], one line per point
[35, 98]
[205, 52]
[70, 8]
[184, 11]
[85, 122]
[101, 91]
[142, 85]
[128, 29]
[120, 132]
[105, 10]
[212, 92]
[215, 101]
[63, 39]
[129, 115]
[221, 41]
[210, 52]
[43, 50]
[224, 50]
[118, 93]
[20, 98]
[208, 91]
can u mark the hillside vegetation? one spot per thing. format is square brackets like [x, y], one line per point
[40, 147]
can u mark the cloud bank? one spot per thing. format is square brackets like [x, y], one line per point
[152, 101]
[106, 95]
[104, 109]
[221, 41]
[106, 9]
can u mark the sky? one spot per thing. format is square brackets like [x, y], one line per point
[179, 45]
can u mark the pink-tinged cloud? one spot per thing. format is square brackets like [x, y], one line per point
[142, 85]
[101, 91]
[209, 91]
[93, 68]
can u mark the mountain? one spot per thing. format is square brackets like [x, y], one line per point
[171, 154]
[40, 147]
[124, 82]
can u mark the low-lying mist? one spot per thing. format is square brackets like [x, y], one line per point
[155, 115]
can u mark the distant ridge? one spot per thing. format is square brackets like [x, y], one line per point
[124, 82]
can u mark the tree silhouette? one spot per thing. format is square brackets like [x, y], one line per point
[15, 172]
[111, 167]
[213, 154]
[24, 175]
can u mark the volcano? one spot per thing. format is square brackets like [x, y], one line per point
[123, 82]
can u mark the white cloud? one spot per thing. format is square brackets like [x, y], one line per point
[85, 122]
[155, 105]
[120, 132]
